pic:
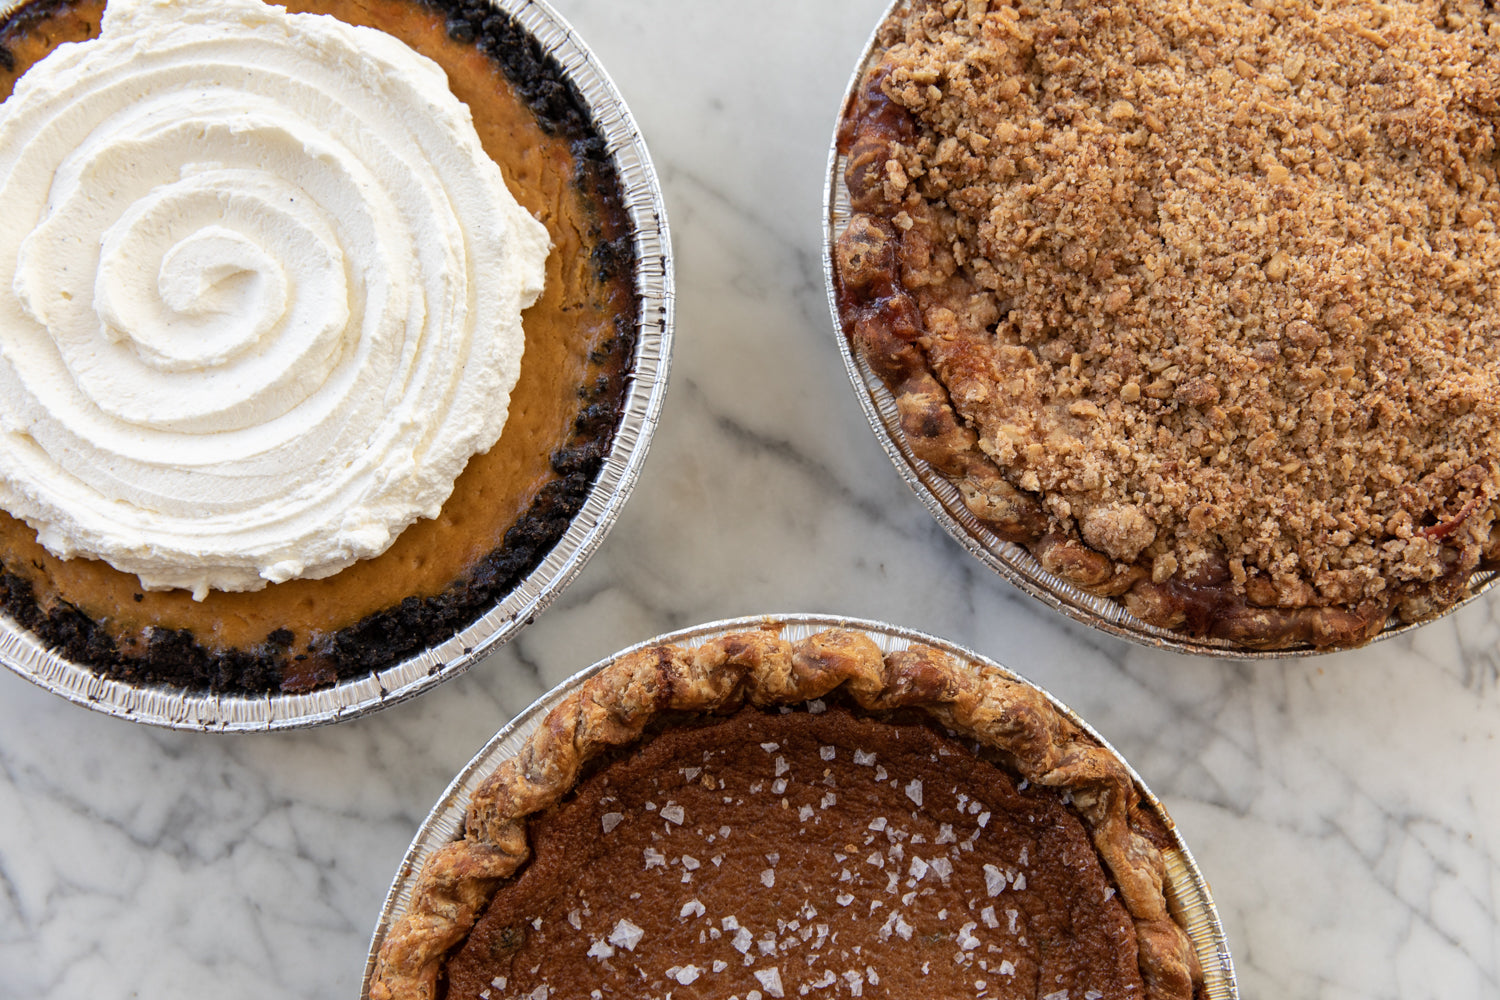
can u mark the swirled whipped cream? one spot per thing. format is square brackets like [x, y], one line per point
[262, 294]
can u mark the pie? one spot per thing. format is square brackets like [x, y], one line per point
[762, 818]
[1194, 301]
[509, 506]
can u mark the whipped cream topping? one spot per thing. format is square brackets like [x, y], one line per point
[261, 294]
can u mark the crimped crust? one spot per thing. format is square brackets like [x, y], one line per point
[614, 708]
[1194, 299]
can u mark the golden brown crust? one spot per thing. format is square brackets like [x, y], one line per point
[613, 708]
[1205, 285]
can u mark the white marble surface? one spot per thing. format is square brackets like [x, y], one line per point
[1344, 808]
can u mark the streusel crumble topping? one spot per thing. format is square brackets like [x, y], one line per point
[1213, 281]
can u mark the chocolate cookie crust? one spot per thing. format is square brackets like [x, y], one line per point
[284, 660]
[664, 688]
[1195, 299]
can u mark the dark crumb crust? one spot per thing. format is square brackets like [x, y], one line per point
[174, 657]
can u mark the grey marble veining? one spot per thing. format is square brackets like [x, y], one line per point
[1344, 808]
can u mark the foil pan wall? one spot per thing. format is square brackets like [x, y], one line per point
[207, 712]
[1013, 562]
[1187, 892]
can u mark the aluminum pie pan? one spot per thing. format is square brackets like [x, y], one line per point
[176, 708]
[1187, 891]
[1011, 561]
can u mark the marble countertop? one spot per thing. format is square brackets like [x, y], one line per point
[1343, 808]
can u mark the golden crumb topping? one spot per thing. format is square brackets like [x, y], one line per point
[1217, 278]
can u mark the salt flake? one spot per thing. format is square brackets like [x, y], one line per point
[770, 979]
[626, 935]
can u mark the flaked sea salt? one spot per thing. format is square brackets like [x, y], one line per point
[600, 950]
[914, 790]
[943, 867]
[687, 975]
[994, 880]
[778, 786]
[827, 753]
[782, 767]
[817, 706]
[626, 935]
[691, 863]
[843, 899]
[919, 868]
[692, 908]
[768, 877]
[770, 980]
[828, 799]
[611, 820]
[863, 759]
[877, 824]
[654, 858]
[673, 813]
[770, 747]
[806, 813]
[988, 916]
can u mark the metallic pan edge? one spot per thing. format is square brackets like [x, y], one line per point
[1013, 562]
[1187, 892]
[178, 709]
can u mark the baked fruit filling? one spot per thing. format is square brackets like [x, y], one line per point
[510, 504]
[1195, 301]
[763, 818]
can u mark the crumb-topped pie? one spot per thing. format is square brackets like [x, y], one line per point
[761, 818]
[511, 502]
[1196, 301]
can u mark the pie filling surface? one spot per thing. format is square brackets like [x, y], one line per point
[509, 506]
[777, 853]
[1195, 300]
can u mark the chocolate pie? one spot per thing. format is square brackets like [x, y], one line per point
[509, 506]
[756, 818]
[1194, 301]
